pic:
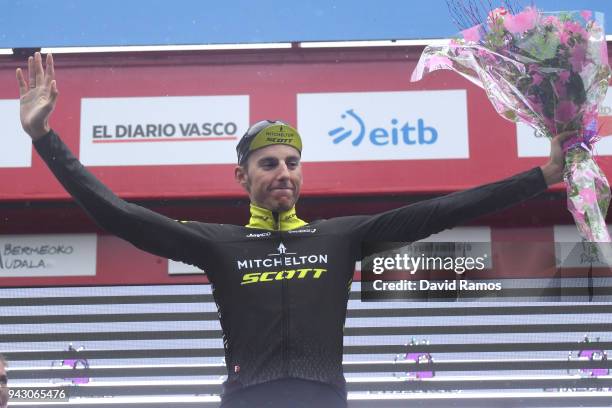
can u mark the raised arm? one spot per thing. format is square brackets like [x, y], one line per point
[419, 220]
[37, 96]
[145, 229]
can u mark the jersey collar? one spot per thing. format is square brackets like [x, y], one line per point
[265, 219]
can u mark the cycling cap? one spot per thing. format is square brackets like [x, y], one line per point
[266, 133]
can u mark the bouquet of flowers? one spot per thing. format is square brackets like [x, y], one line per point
[549, 70]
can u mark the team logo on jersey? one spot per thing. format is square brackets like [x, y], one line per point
[259, 234]
[272, 276]
[283, 264]
[302, 231]
[282, 250]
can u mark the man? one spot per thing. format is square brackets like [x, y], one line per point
[4, 394]
[281, 284]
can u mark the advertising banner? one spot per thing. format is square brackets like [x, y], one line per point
[162, 130]
[352, 126]
[17, 153]
[59, 255]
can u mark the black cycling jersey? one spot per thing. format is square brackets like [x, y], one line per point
[281, 285]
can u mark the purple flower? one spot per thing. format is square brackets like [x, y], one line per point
[486, 56]
[590, 116]
[536, 105]
[560, 87]
[550, 125]
[565, 112]
[536, 78]
[564, 76]
[578, 57]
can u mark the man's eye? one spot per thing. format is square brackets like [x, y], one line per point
[268, 164]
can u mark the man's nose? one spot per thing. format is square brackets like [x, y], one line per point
[283, 171]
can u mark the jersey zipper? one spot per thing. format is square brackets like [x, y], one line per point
[284, 309]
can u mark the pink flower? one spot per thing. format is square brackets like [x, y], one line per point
[523, 21]
[578, 58]
[589, 196]
[575, 28]
[586, 14]
[564, 37]
[496, 14]
[564, 76]
[554, 22]
[472, 34]
[565, 112]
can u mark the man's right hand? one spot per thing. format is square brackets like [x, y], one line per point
[37, 96]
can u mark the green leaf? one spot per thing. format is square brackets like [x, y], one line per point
[540, 46]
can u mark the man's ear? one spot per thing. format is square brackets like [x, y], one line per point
[241, 176]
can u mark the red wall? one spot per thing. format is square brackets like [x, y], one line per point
[271, 79]
[32, 201]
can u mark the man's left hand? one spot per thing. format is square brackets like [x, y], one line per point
[553, 170]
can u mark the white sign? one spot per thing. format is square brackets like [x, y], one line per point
[16, 150]
[531, 145]
[571, 252]
[180, 268]
[48, 255]
[356, 126]
[162, 130]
